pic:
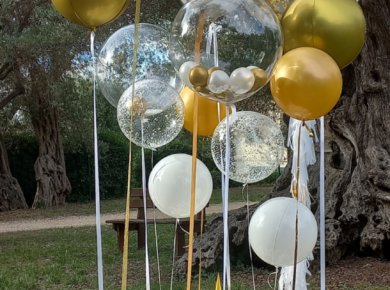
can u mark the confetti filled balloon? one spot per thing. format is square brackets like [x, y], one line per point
[272, 231]
[307, 83]
[230, 35]
[91, 14]
[158, 114]
[207, 116]
[170, 185]
[257, 147]
[337, 27]
[115, 62]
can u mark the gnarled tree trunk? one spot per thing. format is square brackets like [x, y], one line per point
[53, 185]
[357, 161]
[11, 194]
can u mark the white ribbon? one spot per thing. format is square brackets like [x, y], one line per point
[226, 254]
[147, 266]
[322, 203]
[212, 38]
[307, 157]
[97, 182]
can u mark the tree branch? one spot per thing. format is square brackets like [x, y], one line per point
[19, 88]
[5, 70]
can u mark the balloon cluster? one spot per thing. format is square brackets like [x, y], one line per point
[217, 83]
[320, 37]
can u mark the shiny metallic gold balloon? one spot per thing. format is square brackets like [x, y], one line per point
[261, 78]
[207, 116]
[198, 76]
[91, 13]
[307, 83]
[337, 27]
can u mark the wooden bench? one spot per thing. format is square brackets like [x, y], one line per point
[136, 202]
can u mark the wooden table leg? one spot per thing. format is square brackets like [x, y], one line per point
[180, 243]
[141, 236]
[120, 230]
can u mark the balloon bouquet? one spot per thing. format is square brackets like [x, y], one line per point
[220, 52]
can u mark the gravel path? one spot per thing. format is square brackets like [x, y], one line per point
[89, 220]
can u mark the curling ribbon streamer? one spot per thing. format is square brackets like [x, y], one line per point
[97, 182]
[249, 244]
[147, 265]
[300, 180]
[127, 220]
[322, 203]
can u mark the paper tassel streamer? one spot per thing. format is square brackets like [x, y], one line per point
[307, 157]
[218, 283]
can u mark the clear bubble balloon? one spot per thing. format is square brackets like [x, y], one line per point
[115, 61]
[257, 147]
[230, 35]
[170, 185]
[158, 114]
[272, 231]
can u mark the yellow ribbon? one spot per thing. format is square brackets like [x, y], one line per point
[127, 220]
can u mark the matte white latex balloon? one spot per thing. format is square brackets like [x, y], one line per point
[272, 231]
[257, 147]
[184, 72]
[170, 185]
[115, 61]
[162, 120]
[218, 82]
[242, 80]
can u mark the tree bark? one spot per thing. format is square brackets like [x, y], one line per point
[357, 161]
[11, 194]
[53, 185]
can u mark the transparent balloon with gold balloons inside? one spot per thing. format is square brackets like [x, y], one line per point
[115, 61]
[225, 50]
[158, 114]
[257, 147]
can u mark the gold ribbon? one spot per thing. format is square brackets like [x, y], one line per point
[198, 41]
[127, 220]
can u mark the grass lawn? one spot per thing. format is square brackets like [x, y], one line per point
[66, 259]
[119, 205]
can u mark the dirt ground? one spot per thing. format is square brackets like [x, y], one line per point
[89, 220]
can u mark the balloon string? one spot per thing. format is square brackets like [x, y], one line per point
[199, 36]
[147, 265]
[127, 220]
[276, 279]
[155, 231]
[249, 244]
[322, 204]
[296, 194]
[226, 254]
[174, 252]
[200, 252]
[97, 181]
[193, 190]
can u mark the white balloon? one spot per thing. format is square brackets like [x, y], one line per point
[218, 82]
[272, 231]
[184, 72]
[242, 80]
[170, 185]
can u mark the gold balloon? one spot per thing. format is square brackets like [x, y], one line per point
[198, 76]
[307, 83]
[337, 27]
[207, 116]
[261, 78]
[91, 13]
